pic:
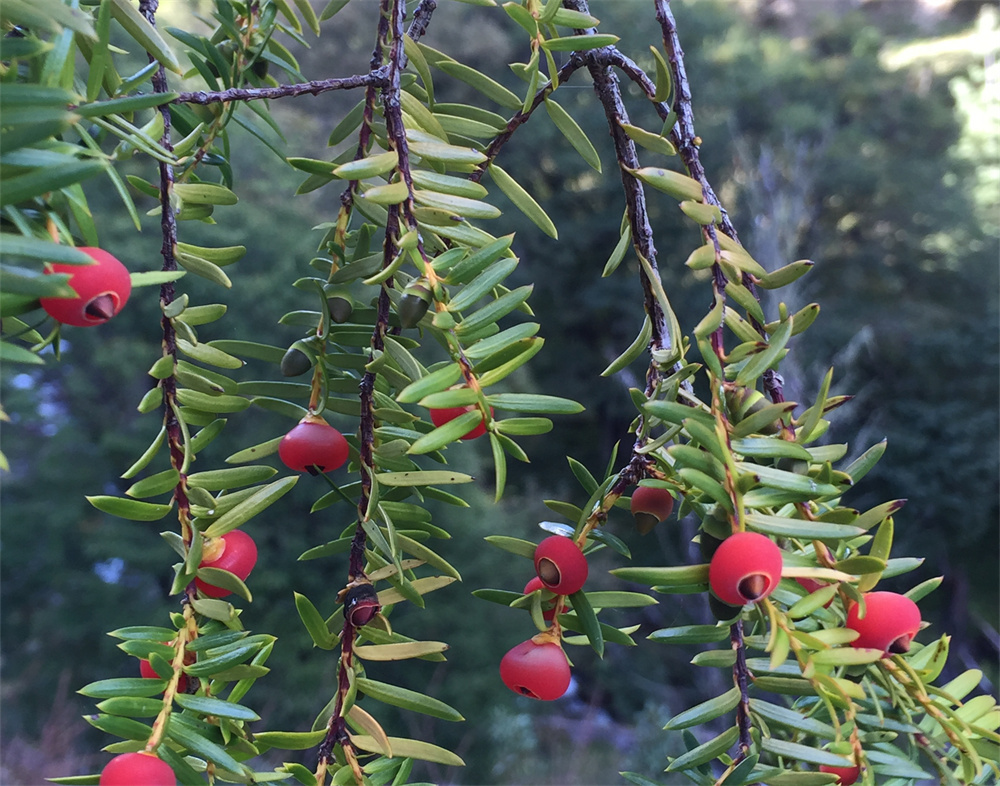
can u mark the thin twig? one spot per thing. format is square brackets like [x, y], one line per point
[421, 18]
[575, 62]
[687, 142]
[391, 19]
[375, 77]
[168, 229]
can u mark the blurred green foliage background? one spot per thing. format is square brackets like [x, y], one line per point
[860, 135]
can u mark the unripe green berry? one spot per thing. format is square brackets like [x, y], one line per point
[340, 303]
[296, 361]
[744, 402]
[413, 304]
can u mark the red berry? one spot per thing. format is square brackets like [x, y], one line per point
[539, 671]
[146, 670]
[102, 290]
[361, 604]
[811, 585]
[845, 775]
[891, 621]
[548, 609]
[137, 769]
[237, 554]
[745, 568]
[650, 505]
[447, 414]
[560, 565]
[313, 443]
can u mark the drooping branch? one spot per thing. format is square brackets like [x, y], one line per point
[609, 92]
[599, 63]
[168, 230]
[687, 143]
[391, 21]
[175, 431]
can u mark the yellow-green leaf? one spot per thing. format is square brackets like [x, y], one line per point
[402, 651]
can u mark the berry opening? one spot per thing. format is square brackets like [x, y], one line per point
[102, 307]
[548, 571]
[901, 645]
[754, 587]
[645, 522]
[102, 289]
[745, 568]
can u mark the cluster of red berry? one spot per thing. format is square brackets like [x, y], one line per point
[746, 567]
[538, 668]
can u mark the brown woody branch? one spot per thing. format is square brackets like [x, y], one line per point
[375, 77]
[391, 19]
[687, 142]
[168, 229]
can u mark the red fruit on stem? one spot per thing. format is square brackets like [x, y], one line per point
[237, 554]
[548, 609]
[539, 671]
[891, 621]
[313, 443]
[845, 775]
[361, 605]
[147, 671]
[447, 414]
[560, 565]
[650, 505]
[102, 290]
[137, 769]
[745, 568]
[811, 585]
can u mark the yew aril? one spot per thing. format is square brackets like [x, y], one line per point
[102, 289]
[447, 414]
[745, 568]
[560, 565]
[891, 621]
[313, 446]
[538, 671]
[650, 505]
[147, 671]
[548, 608]
[845, 775]
[811, 585]
[236, 552]
[137, 769]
